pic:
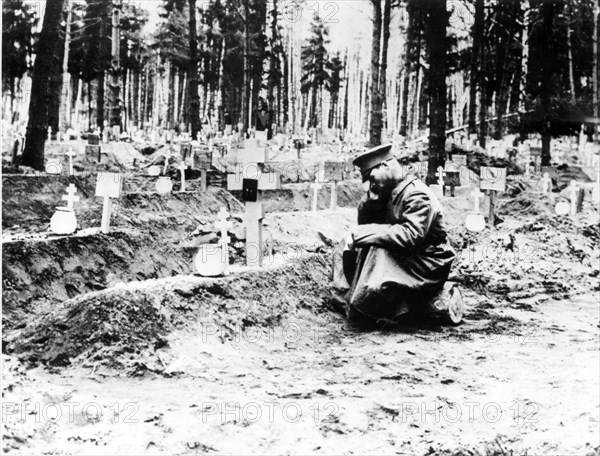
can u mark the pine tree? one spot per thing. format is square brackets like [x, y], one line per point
[314, 67]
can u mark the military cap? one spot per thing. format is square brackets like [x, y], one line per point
[371, 158]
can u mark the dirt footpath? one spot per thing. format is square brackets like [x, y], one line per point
[314, 385]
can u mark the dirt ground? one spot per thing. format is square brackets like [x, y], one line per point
[259, 363]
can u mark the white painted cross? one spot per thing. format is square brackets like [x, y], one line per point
[49, 133]
[70, 154]
[440, 175]
[224, 225]
[315, 195]
[182, 168]
[70, 198]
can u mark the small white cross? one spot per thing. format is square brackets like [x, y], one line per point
[49, 133]
[476, 193]
[70, 198]
[223, 224]
[440, 174]
[70, 154]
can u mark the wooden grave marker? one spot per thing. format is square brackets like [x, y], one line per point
[493, 180]
[224, 225]
[451, 176]
[108, 185]
[252, 181]
[202, 160]
[333, 172]
[182, 168]
[70, 154]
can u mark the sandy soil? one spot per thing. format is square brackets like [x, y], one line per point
[314, 385]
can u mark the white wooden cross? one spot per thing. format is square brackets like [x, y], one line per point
[224, 225]
[440, 175]
[70, 198]
[477, 195]
[70, 154]
[315, 195]
[49, 133]
[182, 168]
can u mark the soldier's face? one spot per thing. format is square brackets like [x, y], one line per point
[382, 179]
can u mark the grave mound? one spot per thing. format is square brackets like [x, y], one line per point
[127, 327]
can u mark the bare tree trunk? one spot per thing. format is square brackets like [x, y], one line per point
[437, 44]
[548, 13]
[408, 65]
[46, 69]
[246, 86]
[570, 56]
[595, 69]
[65, 108]
[475, 52]
[525, 55]
[483, 92]
[115, 84]
[194, 98]
[387, 10]
[375, 111]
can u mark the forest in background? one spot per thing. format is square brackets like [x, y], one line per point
[490, 66]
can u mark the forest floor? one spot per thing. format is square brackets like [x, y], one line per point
[156, 360]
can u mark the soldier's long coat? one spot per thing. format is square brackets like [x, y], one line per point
[402, 251]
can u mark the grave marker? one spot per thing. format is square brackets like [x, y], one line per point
[536, 156]
[333, 172]
[475, 220]
[108, 185]
[546, 183]
[493, 180]
[182, 168]
[576, 197]
[459, 159]
[70, 197]
[255, 213]
[315, 195]
[70, 154]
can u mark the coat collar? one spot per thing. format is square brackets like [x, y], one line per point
[402, 185]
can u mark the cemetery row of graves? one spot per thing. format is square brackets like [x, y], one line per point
[206, 201]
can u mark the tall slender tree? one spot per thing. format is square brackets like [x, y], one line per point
[193, 71]
[437, 44]
[47, 68]
[375, 94]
